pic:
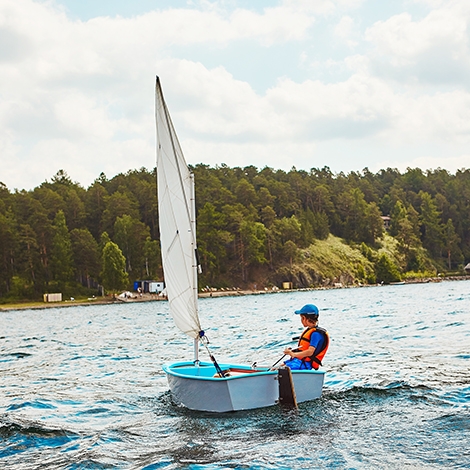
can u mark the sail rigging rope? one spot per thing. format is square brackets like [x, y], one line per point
[205, 341]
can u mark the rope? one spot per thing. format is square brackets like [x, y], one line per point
[279, 360]
[205, 342]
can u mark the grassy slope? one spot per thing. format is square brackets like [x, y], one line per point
[332, 260]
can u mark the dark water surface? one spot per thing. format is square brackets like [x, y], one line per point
[82, 387]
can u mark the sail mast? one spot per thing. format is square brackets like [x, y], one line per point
[196, 266]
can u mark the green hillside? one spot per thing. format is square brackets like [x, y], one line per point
[254, 227]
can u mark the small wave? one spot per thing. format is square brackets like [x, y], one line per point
[10, 429]
[31, 404]
[454, 324]
[16, 355]
[463, 356]
[22, 437]
[194, 452]
[272, 345]
[93, 411]
[459, 396]
[451, 422]
[366, 391]
[123, 358]
[87, 463]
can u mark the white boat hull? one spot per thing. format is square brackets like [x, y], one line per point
[199, 388]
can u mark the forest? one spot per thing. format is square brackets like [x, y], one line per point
[255, 226]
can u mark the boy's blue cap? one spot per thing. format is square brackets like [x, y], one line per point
[308, 309]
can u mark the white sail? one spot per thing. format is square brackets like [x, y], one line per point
[177, 222]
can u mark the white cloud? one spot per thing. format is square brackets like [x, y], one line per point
[405, 39]
[427, 162]
[274, 154]
[315, 108]
[346, 30]
[432, 50]
[79, 95]
[322, 7]
[431, 3]
[450, 163]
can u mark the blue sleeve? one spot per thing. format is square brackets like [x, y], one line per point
[316, 340]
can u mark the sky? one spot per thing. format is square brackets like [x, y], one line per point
[348, 84]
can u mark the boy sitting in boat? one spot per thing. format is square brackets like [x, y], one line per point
[313, 343]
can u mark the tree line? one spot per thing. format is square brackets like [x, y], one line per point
[62, 236]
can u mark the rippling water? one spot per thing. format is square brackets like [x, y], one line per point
[82, 387]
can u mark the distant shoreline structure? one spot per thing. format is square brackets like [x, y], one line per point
[219, 293]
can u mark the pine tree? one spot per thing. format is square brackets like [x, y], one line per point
[61, 251]
[86, 254]
[386, 271]
[451, 240]
[7, 249]
[113, 274]
[431, 229]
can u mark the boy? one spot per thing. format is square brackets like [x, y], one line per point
[313, 343]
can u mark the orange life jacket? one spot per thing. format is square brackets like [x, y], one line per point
[304, 344]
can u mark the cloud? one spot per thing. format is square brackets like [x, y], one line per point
[322, 7]
[79, 82]
[346, 30]
[15, 46]
[428, 162]
[432, 50]
[78, 95]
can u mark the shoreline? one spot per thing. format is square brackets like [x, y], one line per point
[211, 294]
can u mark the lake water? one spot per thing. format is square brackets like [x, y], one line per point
[83, 388]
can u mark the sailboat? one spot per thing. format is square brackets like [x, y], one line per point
[195, 384]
